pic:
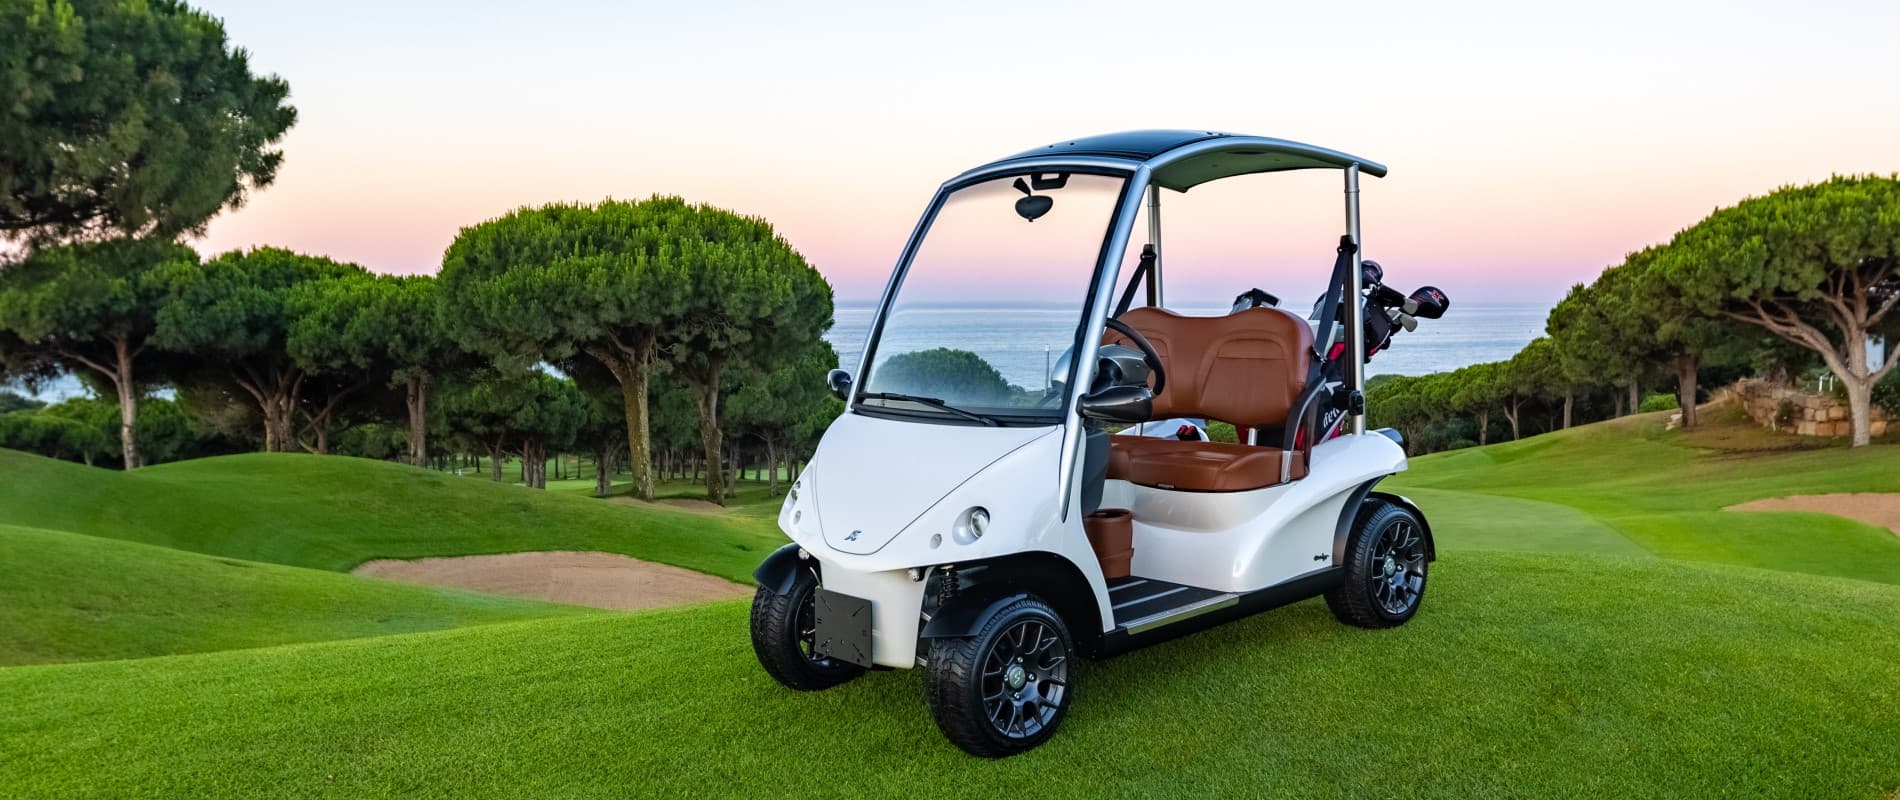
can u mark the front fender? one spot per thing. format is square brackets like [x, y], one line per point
[779, 569]
[966, 616]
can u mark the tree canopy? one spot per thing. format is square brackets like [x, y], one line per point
[234, 315]
[635, 285]
[944, 372]
[91, 307]
[1818, 265]
[135, 118]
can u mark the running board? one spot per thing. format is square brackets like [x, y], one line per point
[1186, 612]
[1141, 618]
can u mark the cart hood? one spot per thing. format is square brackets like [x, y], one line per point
[873, 477]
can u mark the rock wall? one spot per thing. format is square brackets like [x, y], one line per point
[1791, 410]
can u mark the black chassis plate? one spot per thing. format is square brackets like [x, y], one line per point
[844, 627]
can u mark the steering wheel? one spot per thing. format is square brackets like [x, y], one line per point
[1148, 354]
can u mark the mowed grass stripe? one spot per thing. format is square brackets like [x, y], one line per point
[334, 513]
[1665, 491]
[71, 597]
[1528, 675]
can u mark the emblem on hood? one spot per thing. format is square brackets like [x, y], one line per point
[853, 537]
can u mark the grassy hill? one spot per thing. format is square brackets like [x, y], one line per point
[1526, 676]
[1620, 652]
[1627, 486]
[334, 513]
[68, 597]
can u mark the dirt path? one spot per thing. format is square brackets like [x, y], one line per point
[1872, 508]
[601, 580]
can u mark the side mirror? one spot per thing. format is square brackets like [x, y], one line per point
[839, 382]
[1122, 405]
[1428, 302]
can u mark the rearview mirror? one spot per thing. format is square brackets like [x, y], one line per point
[839, 382]
[1124, 405]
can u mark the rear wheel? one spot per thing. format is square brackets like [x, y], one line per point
[783, 631]
[1385, 568]
[1004, 690]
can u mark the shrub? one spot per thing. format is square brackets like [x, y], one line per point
[1887, 392]
[1658, 402]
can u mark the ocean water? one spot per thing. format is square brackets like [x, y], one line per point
[1021, 340]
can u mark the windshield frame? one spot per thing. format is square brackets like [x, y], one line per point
[1129, 174]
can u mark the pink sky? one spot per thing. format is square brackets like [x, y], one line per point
[1529, 147]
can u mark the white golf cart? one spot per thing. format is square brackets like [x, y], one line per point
[987, 523]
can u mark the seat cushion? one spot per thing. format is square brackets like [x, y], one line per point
[1247, 368]
[1197, 466]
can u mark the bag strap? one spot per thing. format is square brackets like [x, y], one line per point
[1143, 270]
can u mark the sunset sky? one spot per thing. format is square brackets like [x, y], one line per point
[1529, 147]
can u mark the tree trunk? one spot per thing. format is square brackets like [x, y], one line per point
[417, 401]
[710, 437]
[1484, 427]
[771, 465]
[1860, 408]
[494, 463]
[1636, 395]
[534, 465]
[1569, 400]
[1685, 388]
[128, 403]
[632, 366]
[604, 468]
[1511, 414]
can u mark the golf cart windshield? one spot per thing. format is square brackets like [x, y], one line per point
[993, 296]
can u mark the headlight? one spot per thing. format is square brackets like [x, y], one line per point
[971, 525]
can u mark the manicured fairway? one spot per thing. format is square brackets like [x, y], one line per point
[1527, 676]
[1662, 492]
[334, 513]
[1626, 648]
[69, 597]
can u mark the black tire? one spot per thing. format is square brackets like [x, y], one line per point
[1006, 689]
[1386, 563]
[782, 630]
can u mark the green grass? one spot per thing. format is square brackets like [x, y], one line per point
[1663, 492]
[1624, 650]
[68, 597]
[1526, 676]
[333, 513]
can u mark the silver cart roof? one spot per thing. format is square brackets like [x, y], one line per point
[1182, 160]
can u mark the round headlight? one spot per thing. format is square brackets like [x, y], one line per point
[970, 525]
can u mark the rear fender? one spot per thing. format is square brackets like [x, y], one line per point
[1357, 503]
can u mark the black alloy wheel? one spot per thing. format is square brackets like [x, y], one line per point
[1004, 690]
[1386, 563]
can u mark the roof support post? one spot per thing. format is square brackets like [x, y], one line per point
[1355, 302]
[1154, 238]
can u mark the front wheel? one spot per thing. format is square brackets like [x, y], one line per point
[1385, 569]
[783, 632]
[1004, 690]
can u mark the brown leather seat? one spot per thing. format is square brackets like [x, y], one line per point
[1246, 368]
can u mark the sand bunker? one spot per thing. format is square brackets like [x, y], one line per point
[1872, 508]
[601, 580]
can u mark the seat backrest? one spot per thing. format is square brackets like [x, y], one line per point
[1247, 368]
